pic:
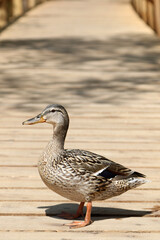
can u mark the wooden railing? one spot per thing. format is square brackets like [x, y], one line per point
[10, 10]
[149, 11]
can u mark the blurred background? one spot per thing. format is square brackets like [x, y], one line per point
[10, 10]
[104, 51]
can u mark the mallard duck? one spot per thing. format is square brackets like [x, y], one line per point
[79, 175]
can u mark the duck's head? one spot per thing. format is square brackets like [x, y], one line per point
[54, 114]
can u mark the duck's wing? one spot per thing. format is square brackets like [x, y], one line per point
[98, 165]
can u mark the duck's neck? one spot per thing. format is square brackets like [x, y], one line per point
[58, 140]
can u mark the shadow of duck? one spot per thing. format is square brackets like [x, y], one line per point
[98, 213]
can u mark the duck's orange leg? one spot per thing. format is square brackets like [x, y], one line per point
[73, 216]
[86, 221]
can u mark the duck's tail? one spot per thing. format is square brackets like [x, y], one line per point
[137, 174]
[135, 182]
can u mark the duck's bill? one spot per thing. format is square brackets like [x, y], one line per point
[37, 119]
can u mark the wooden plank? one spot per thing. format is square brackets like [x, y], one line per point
[31, 174]
[127, 158]
[6, 138]
[33, 182]
[104, 113]
[34, 235]
[87, 123]
[153, 172]
[152, 133]
[94, 109]
[46, 194]
[16, 182]
[44, 137]
[47, 224]
[108, 208]
[27, 145]
[111, 154]
[85, 126]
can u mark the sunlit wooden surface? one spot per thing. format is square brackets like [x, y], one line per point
[102, 63]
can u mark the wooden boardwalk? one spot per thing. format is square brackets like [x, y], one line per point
[103, 64]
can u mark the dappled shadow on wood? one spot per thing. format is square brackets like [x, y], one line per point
[134, 50]
[114, 71]
[97, 212]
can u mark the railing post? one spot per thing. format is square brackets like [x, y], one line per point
[150, 14]
[31, 3]
[3, 13]
[157, 16]
[17, 8]
[10, 10]
[6, 12]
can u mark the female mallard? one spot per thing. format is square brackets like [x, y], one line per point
[79, 175]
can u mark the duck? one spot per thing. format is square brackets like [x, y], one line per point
[79, 175]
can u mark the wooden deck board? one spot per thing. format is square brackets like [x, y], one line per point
[129, 160]
[109, 208]
[45, 194]
[73, 235]
[19, 177]
[43, 223]
[101, 62]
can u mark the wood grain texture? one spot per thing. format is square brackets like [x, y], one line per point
[102, 63]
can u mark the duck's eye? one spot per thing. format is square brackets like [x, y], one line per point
[52, 110]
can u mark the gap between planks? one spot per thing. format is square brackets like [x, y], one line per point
[67, 201]
[35, 166]
[54, 215]
[44, 188]
[91, 149]
[82, 231]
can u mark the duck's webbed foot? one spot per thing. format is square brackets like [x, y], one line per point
[77, 224]
[87, 221]
[79, 213]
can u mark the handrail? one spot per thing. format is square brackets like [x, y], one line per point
[10, 10]
[149, 11]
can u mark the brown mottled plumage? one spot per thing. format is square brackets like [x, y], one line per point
[79, 175]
